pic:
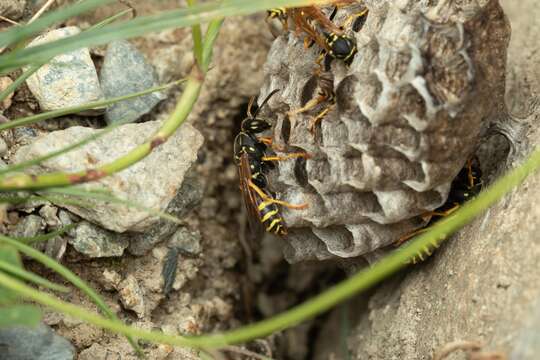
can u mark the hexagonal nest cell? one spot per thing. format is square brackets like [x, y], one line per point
[409, 111]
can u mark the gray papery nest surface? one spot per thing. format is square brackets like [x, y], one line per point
[410, 110]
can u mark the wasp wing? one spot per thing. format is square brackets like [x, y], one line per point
[249, 195]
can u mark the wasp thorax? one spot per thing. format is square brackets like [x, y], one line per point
[255, 125]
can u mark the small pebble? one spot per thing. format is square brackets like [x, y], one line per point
[68, 79]
[3, 146]
[5, 81]
[131, 295]
[126, 71]
[29, 226]
[93, 241]
[12, 9]
[39, 343]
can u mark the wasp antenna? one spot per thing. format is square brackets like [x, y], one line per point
[263, 103]
[250, 105]
[333, 14]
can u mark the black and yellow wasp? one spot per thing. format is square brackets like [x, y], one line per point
[253, 161]
[465, 186]
[334, 44]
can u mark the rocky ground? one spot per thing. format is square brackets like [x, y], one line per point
[481, 287]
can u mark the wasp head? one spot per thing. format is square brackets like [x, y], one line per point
[341, 46]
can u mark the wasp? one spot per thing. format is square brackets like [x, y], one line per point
[334, 45]
[465, 186]
[253, 161]
[279, 14]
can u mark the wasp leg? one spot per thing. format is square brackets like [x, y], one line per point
[309, 105]
[470, 175]
[268, 141]
[351, 18]
[408, 236]
[279, 202]
[319, 62]
[319, 118]
[442, 213]
[287, 157]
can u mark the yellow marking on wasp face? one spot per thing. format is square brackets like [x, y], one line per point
[274, 223]
[269, 214]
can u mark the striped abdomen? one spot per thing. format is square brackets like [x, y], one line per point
[271, 218]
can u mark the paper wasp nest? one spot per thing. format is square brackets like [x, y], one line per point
[410, 110]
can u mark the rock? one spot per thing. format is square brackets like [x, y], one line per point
[132, 296]
[97, 351]
[5, 81]
[12, 9]
[126, 71]
[186, 241]
[39, 343]
[48, 213]
[68, 79]
[152, 182]
[29, 226]
[527, 344]
[93, 241]
[185, 200]
[111, 280]
[410, 111]
[3, 147]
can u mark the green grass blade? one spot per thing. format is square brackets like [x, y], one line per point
[196, 33]
[210, 37]
[20, 33]
[109, 20]
[45, 237]
[91, 105]
[31, 277]
[9, 255]
[69, 276]
[104, 195]
[25, 75]
[19, 315]
[197, 14]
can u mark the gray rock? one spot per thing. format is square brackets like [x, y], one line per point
[527, 345]
[3, 146]
[39, 343]
[67, 80]
[12, 9]
[132, 296]
[97, 351]
[29, 226]
[410, 112]
[48, 213]
[186, 240]
[93, 241]
[153, 182]
[125, 71]
[186, 199]
[5, 81]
